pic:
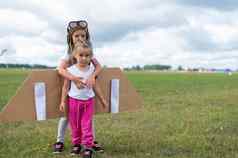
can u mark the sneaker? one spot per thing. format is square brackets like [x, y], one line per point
[88, 153]
[58, 147]
[76, 149]
[97, 147]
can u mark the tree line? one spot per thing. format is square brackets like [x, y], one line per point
[27, 66]
[136, 67]
[149, 67]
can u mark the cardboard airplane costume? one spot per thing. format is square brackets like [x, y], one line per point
[39, 96]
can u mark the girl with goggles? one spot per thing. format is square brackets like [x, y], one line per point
[77, 31]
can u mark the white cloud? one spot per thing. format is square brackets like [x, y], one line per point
[124, 33]
[147, 47]
[20, 22]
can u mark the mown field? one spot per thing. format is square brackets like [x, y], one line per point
[184, 116]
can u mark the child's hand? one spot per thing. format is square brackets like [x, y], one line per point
[104, 103]
[79, 83]
[62, 107]
[90, 82]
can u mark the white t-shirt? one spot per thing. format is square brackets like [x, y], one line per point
[84, 93]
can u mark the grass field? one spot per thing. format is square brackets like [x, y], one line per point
[184, 116]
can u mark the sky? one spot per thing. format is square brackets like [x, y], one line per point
[190, 33]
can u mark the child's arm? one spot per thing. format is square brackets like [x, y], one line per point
[64, 95]
[98, 67]
[98, 93]
[91, 80]
[62, 69]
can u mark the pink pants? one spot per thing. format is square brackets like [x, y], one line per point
[80, 119]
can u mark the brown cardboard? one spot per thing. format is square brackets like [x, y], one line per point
[22, 107]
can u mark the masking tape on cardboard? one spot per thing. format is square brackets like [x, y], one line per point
[40, 100]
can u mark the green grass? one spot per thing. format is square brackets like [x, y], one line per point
[184, 116]
[9, 82]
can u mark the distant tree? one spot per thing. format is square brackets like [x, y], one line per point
[180, 68]
[127, 69]
[157, 67]
[137, 67]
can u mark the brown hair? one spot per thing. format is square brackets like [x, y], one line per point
[70, 40]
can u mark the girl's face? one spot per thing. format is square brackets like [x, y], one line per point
[79, 36]
[83, 56]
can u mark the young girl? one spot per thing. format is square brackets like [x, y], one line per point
[80, 101]
[77, 31]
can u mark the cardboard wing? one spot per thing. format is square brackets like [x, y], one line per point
[23, 106]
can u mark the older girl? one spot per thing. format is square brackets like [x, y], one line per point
[77, 31]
